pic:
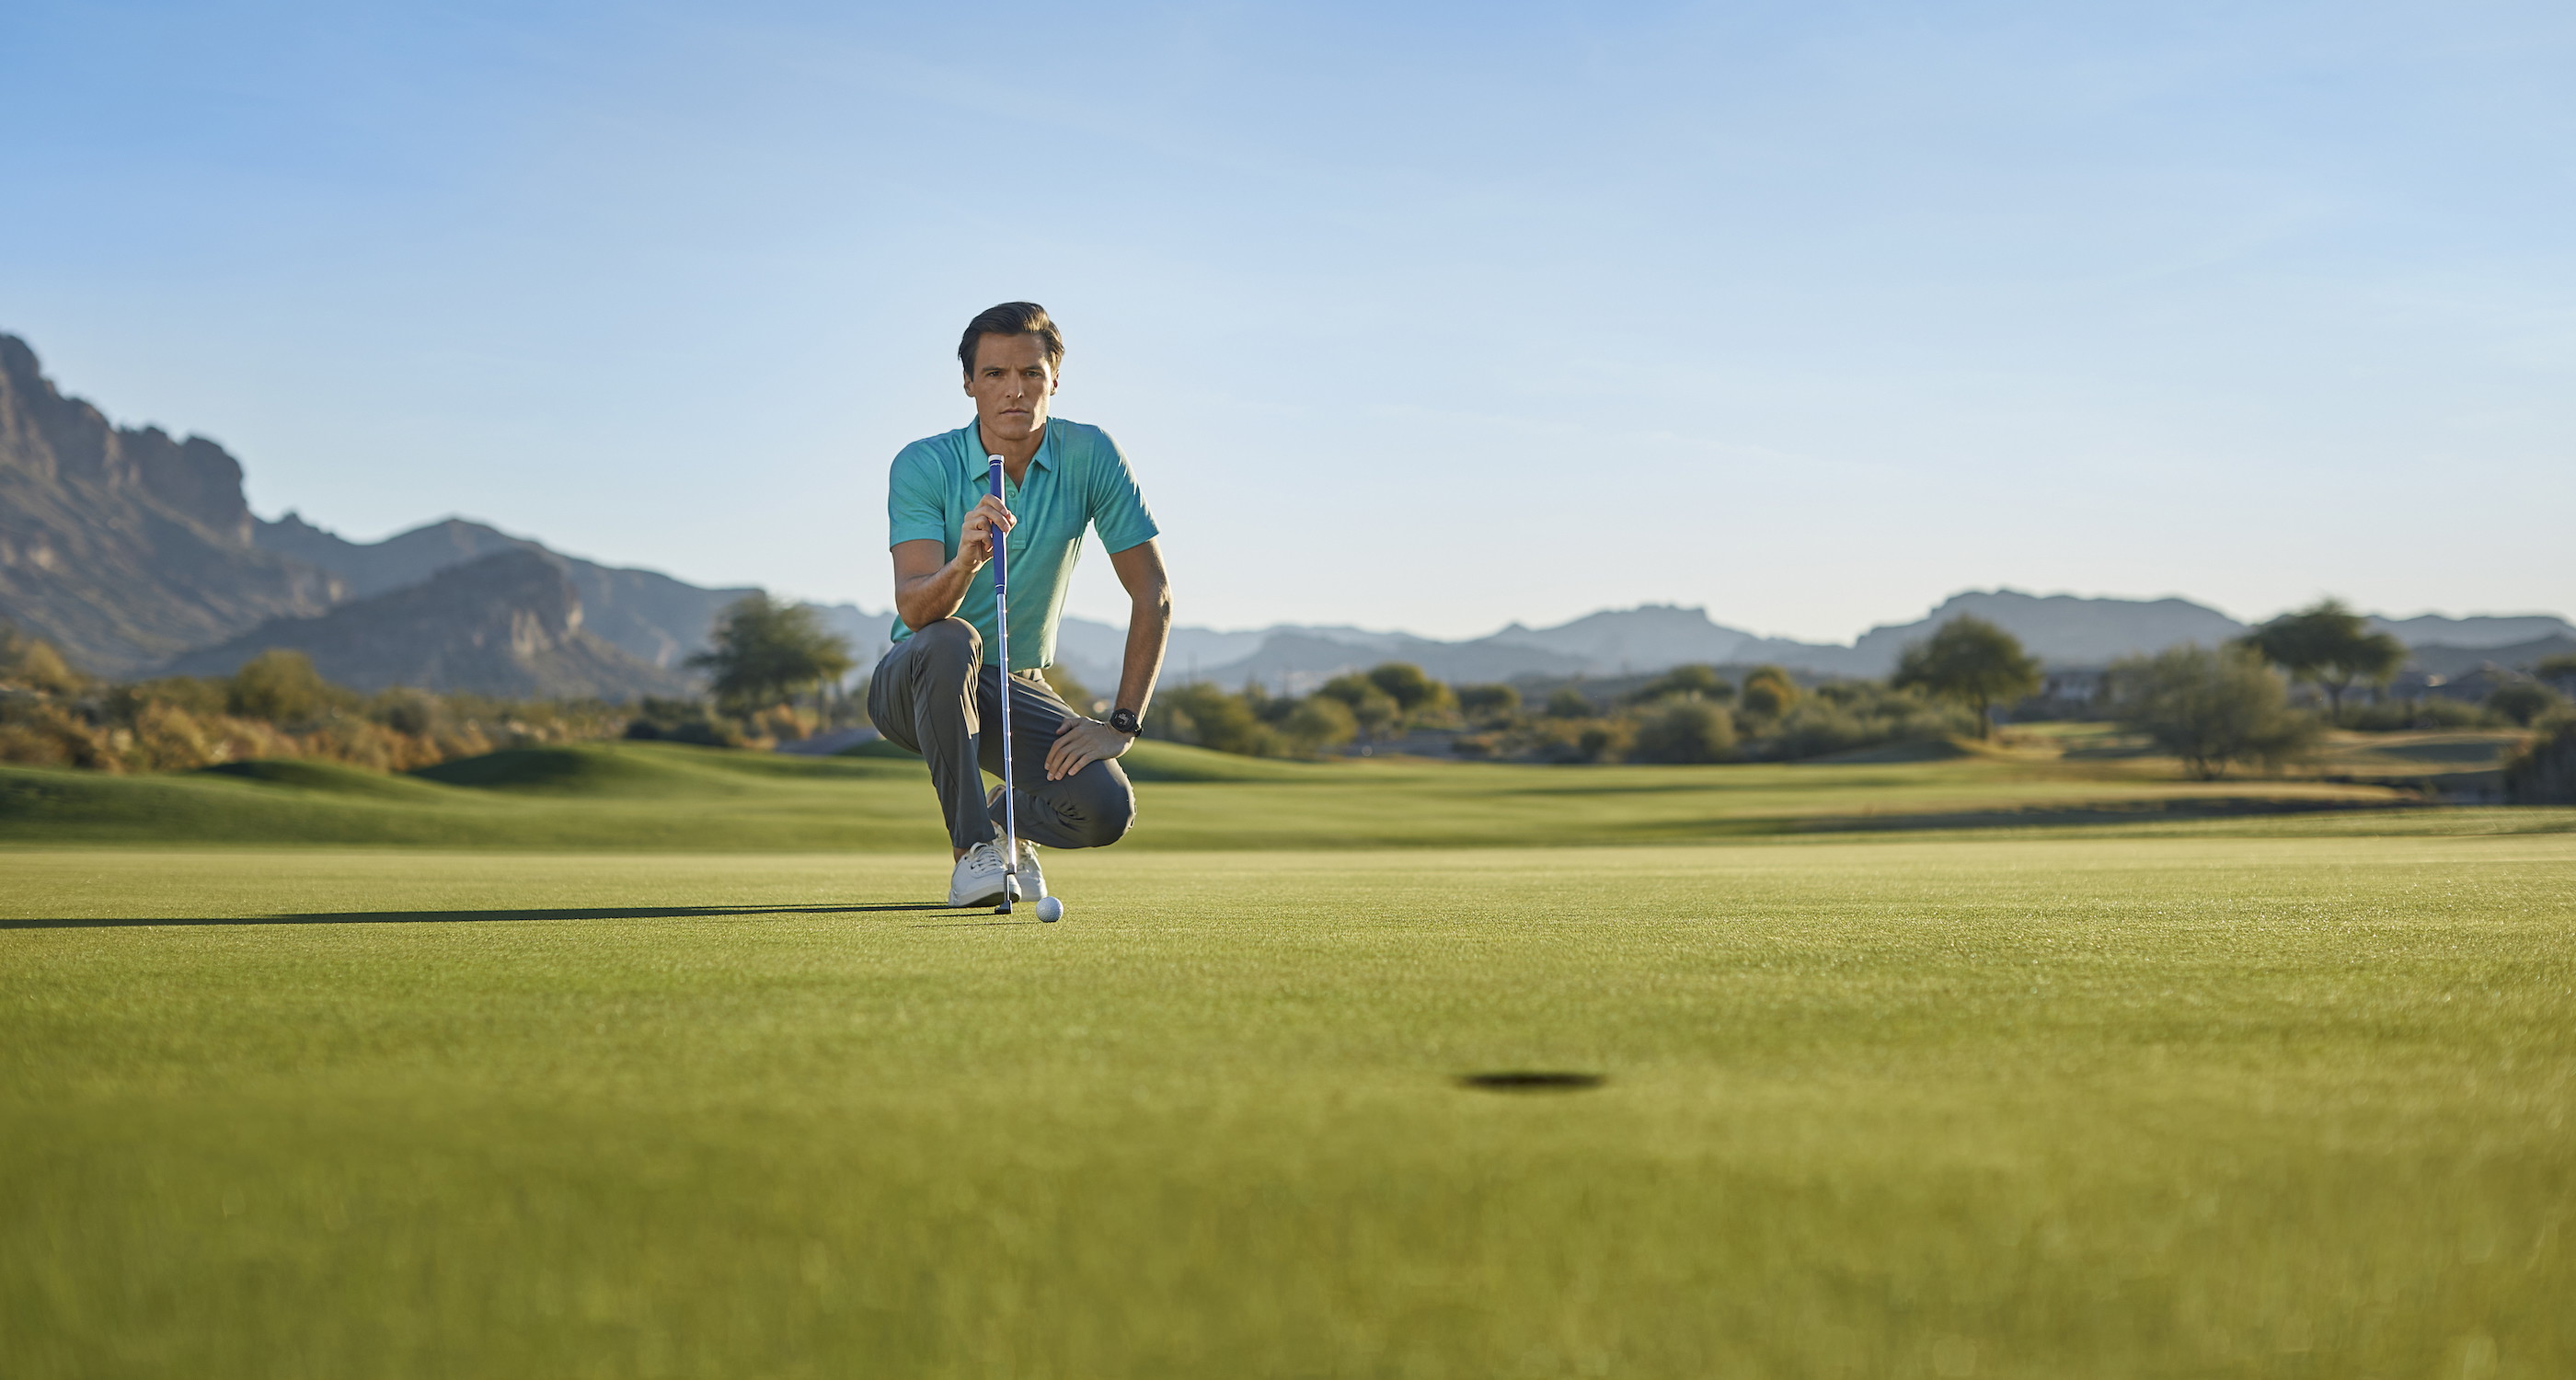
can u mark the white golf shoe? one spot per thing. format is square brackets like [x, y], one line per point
[979, 879]
[1032, 881]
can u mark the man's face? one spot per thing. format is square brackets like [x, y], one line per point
[1010, 385]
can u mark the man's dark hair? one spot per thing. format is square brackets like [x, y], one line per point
[1011, 318]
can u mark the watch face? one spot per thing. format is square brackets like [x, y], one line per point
[1124, 721]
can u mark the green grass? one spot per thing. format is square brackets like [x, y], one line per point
[653, 797]
[1876, 1107]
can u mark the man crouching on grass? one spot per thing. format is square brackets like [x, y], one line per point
[934, 690]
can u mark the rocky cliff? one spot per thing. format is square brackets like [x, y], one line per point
[124, 547]
[134, 552]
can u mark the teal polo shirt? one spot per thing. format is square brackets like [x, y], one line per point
[1077, 479]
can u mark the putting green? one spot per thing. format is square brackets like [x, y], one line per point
[1879, 1107]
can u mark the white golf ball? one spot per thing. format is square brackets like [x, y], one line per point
[1050, 909]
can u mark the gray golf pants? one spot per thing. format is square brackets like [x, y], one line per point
[932, 694]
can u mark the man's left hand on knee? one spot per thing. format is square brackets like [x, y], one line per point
[1081, 742]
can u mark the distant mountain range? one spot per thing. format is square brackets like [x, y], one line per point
[136, 553]
[2064, 630]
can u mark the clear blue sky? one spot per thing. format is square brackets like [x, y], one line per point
[1426, 317]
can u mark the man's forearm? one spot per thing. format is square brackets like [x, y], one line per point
[1149, 631]
[924, 601]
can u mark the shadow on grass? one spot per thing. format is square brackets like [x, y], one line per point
[424, 917]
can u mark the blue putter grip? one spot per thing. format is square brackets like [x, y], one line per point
[993, 486]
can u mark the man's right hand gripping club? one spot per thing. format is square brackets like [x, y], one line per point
[925, 598]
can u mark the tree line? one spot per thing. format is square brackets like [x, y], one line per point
[775, 672]
[275, 706]
[2213, 708]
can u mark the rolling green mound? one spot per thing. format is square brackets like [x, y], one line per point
[324, 778]
[654, 796]
[1153, 761]
[1910, 750]
[582, 770]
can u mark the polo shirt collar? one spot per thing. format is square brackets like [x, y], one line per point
[979, 463]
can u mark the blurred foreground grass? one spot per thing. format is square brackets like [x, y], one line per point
[1881, 1107]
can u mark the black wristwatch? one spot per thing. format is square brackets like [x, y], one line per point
[1125, 721]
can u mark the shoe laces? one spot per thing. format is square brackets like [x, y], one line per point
[984, 858]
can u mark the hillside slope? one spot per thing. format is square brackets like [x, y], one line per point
[648, 615]
[509, 624]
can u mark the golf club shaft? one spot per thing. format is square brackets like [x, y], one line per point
[1002, 646]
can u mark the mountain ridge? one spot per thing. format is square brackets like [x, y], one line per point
[131, 550]
[508, 624]
[653, 617]
[2065, 631]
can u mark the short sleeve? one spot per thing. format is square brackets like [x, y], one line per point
[1117, 508]
[914, 511]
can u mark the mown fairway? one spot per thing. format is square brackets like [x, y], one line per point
[2239, 1100]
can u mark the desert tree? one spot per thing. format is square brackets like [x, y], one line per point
[2211, 708]
[766, 652]
[2331, 647]
[1971, 662]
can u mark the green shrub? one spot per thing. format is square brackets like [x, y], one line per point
[1768, 692]
[1319, 722]
[1371, 707]
[2544, 773]
[1700, 681]
[1684, 730]
[281, 687]
[1407, 685]
[1203, 715]
[2523, 701]
[1488, 704]
[33, 664]
[1846, 715]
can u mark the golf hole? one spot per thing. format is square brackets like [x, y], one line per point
[1531, 1080]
